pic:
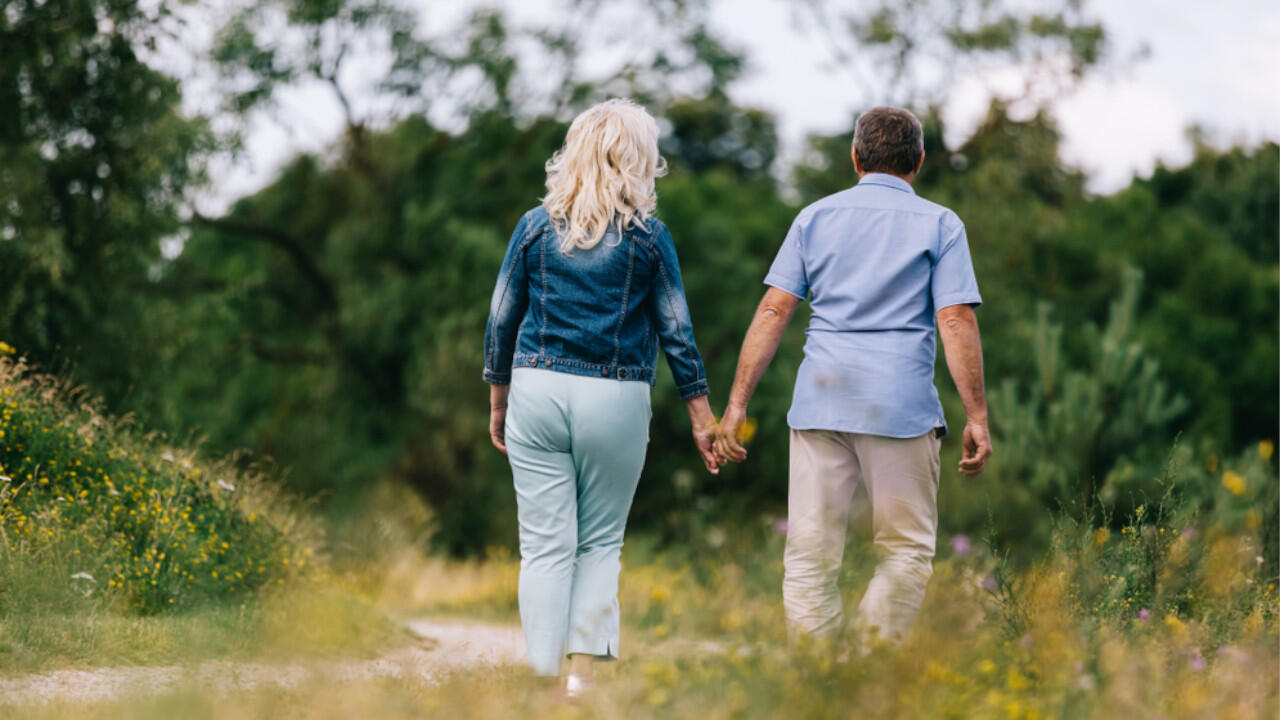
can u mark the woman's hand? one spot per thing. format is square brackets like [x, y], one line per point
[704, 431]
[498, 416]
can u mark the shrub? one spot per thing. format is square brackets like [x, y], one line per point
[91, 510]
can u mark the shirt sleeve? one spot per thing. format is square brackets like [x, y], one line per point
[787, 272]
[953, 280]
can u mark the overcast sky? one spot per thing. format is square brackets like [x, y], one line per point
[1212, 64]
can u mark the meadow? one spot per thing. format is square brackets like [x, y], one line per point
[1173, 615]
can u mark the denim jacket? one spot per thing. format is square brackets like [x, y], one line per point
[601, 312]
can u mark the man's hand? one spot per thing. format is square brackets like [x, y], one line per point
[498, 416]
[728, 438]
[976, 448]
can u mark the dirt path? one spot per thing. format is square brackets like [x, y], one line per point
[456, 645]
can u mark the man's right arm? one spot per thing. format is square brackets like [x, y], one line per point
[962, 345]
[764, 335]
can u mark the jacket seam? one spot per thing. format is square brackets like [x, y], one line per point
[542, 299]
[626, 296]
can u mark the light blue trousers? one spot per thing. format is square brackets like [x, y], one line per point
[576, 446]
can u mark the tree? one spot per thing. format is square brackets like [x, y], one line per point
[95, 162]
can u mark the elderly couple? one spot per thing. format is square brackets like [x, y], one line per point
[590, 287]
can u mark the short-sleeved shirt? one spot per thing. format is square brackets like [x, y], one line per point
[876, 262]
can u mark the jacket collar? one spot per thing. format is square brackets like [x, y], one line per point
[887, 180]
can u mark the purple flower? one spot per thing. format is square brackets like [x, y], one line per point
[960, 545]
[1196, 661]
[1234, 653]
[988, 583]
[781, 526]
[1189, 533]
[1144, 615]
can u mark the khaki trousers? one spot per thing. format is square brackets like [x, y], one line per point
[901, 479]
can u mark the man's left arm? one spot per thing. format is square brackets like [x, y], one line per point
[962, 345]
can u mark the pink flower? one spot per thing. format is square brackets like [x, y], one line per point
[781, 526]
[1144, 614]
[960, 545]
[1196, 662]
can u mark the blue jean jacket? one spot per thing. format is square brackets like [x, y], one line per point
[601, 312]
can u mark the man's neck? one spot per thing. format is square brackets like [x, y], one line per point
[905, 178]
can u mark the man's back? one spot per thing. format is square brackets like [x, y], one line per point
[877, 263]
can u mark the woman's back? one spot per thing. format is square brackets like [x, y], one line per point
[601, 311]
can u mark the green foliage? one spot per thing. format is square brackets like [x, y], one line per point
[95, 161]
[332, 321]
[1061, 434]
[117, 518]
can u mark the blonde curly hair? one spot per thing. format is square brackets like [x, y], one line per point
[604, 173]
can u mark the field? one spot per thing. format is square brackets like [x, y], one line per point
[1173, 615]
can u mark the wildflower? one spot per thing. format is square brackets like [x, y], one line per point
[747, 430]
[781, 526]
[960, 545]
[1196, 661]
[82, 576]
[1144, 615]
[1100, 536]
[660, 595]
[1265, 448]
[226, 485]
[988, 583]
[1232, 481]
[6, 348]
[1252, 520]
[1189, 533]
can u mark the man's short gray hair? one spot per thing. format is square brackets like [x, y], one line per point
[888, 140]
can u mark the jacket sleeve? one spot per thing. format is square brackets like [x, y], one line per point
[671, 317]
[506, 311]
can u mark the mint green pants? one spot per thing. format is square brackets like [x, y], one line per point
[576, 446]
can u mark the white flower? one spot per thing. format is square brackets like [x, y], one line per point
[6, 478]
[83, 576]
[167, 456]
[226, 485]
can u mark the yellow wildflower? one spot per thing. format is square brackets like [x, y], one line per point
[1265, 448]
[1232, 481]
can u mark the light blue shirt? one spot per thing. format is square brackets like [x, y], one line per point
[876, 262]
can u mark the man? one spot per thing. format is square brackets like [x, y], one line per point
[879, 265]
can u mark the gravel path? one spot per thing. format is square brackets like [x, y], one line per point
[456, 645]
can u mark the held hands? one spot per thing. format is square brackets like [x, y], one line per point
[731, 435]
[704, 432]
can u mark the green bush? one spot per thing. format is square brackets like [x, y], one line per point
[92, 510]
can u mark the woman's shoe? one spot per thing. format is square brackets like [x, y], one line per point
[576, 686]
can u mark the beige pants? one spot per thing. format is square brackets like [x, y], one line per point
[901, 478]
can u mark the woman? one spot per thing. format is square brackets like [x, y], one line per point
[589, 288]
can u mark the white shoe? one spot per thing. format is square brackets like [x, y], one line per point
[575, 686]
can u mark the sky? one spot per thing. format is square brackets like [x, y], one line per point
[1213, 65]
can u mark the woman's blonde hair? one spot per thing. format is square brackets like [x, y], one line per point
[604, 173]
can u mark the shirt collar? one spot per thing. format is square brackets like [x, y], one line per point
[887, 180]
